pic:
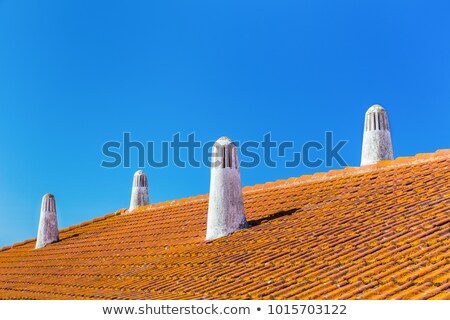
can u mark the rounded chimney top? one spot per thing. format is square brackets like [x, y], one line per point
[375, 108]
[48, 202]
[376, 118]
[140, 179]
[225, 154]
[224, 140]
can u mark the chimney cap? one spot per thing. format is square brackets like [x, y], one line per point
[224, 140]
[376, 108]
[139, 173]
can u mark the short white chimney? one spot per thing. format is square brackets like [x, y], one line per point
[377, 144]
[226, 206]
[139, 193]
[48, 223]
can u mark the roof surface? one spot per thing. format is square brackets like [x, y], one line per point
[375, 232]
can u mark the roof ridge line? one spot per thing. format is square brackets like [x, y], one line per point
[101, 218]
[348, 171]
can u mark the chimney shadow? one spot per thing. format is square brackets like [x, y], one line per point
[279, 214]
[69, 237]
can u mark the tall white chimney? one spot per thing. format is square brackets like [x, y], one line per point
[226, 206]
[377, 144]
[48, 223]
[139, 192]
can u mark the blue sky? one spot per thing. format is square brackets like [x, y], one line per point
[76, 74]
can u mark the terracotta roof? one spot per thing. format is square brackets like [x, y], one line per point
[375, 232]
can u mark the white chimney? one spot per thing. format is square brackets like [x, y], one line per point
[377, 143]
[48, 223]
[226, 206]
[139, 193]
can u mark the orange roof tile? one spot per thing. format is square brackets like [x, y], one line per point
[375, 232]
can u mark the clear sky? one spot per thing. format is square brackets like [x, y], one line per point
[76, 74]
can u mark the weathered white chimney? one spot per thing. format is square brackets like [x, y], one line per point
[139, 193]
[48, 223]
[226, 206]
[377, 143]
